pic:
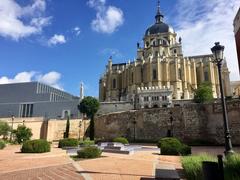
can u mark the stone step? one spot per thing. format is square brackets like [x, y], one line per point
[118, 151]
[114, 147]
[103, 144]
[166, 172]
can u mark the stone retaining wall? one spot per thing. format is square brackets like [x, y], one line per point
[52, 129]
[192, 122]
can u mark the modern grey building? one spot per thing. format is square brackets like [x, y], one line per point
[34, 99]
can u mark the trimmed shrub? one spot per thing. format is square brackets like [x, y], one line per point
[86, 143]
[168, 140]
[35, 146]
[89, 152]
[232, 167]
[2, 144]
[121, 140]
[192, 166]
[172, 146]
[185, 150]
[68, 142]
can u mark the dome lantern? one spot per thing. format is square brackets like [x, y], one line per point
[159, 17]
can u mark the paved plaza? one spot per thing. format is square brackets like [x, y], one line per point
[57, 164]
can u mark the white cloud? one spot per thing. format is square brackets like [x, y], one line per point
[52, 78]
[18, 22]
[77, 30]
[20, 77]
[205, 22]
[108, 18]
[57, 39]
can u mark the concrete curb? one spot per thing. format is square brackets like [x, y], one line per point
[79, 168]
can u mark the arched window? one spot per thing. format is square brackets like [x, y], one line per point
[147, 44]
[141, 74]
[132, 77]
[114, 83]
[154, 44]
[179, 73]
[174, 51]
[156, 53]
[154, 74]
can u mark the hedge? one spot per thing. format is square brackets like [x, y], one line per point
[89, 152]
[172, 146]
[35, 146]
[2, 144]
[86, 143]
[121, 140]
[68, 142]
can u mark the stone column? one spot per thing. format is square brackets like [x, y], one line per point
[150, 72]
[159, 73]
[212, 77]
[176, 92]
[201, 72]
[167, 72]
[185, 87]
[194, 74]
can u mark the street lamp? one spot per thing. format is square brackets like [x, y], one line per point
[170, 132]
[134, 130]
[12, 128]
[217, 51]
[80, 126]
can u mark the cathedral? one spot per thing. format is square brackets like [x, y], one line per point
[161, 73]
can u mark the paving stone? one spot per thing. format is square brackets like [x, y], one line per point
[166, 171]
[62, 172]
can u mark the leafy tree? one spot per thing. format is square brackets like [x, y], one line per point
[4, 129]
[66, 134]
[89, 105]
[22, 133]
[204, 93]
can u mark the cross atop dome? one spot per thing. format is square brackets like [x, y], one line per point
[159, 16]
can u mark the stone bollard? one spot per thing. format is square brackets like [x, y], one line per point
[210, 170]
[213, 170]
[220, 167]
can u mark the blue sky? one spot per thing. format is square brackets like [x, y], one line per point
[63, 43]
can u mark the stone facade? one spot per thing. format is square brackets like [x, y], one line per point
[52, 129]
[153, 97]
[236, 24]
[235, 87]
[160, 63]
[190, 123]
[110, 107]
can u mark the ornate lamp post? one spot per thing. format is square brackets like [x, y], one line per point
[80, 126]
[170, 134]
[134, 130]
[12, 128]
[217, 51]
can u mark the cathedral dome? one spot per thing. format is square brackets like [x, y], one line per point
[159, 28]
